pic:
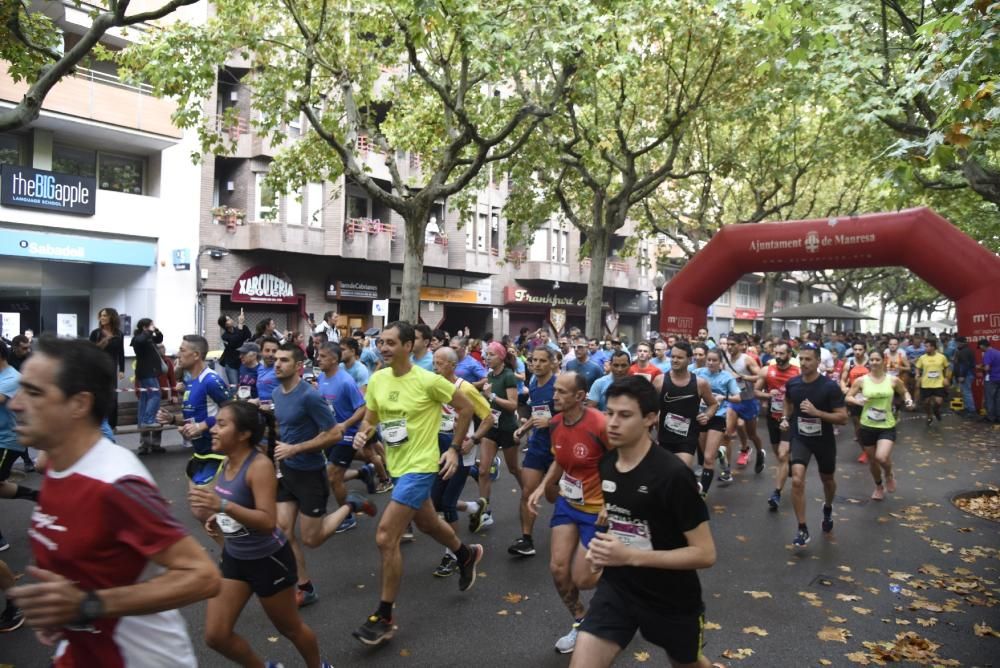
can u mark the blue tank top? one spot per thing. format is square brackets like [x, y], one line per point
[242, 543]
[542, 401]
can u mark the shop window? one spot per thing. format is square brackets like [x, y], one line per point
[10, 150]
[121, 173]
[266, 200]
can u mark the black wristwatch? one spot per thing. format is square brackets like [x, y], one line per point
[91, 608]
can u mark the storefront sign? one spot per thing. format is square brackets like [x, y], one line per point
[457, 296]
[351, 290]
[263, 286]
[515, 295]
[745, 314]
[182, 259]
[51, 191]
[75, 248]
[632, 302]
[557, 317]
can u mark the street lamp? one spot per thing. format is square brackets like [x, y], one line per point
[658, 282]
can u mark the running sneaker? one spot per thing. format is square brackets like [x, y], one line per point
[304, 598]
[374, 631]
[408, 535]
[726, 476]
[744, 458]
[4, 545]
[476, 518]
[11, 619]
[774, 501]
[273, 664]
[723, 460]
[448, 565]
[384, 486]
[863, 457]
[878, 494]
[801, 538]
[145, 449]
[366, 474]
[487, 519]
[350, 523]
[827, 519]
[495, 468]
[758, 463]
[522, 547]
[567, 643]
[890, 484]
[157, 449]
[467, 571]
[360, 504]
[930, 422]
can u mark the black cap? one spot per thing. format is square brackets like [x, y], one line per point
[248, 347]
[373, 331]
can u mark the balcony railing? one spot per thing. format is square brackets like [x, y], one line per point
[110, 80]
[370, 226]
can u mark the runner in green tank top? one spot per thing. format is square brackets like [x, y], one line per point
[874, 393]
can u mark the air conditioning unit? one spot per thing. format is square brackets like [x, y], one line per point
[234, 96]
[230, 186]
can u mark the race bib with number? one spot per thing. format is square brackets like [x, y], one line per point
[677, 424]
[933, 374]
[447, 423]
[541, 411]
[778, 404]
[394, 432]
[496, 417]
[571, 488]
[876, 415]
[243, 393]
[810, 426]
[230, 527]
[632, 534]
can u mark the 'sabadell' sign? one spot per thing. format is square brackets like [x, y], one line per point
[261, 285]
[49, 191]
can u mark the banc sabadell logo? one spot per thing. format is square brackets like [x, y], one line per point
[73, 252]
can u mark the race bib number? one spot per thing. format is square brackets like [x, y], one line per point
[243, 393]
[677, 424]
[571, 488]
[541, 411]
[810, 426]
[778, 404]
[496, 417]
[230, 527]
[447, 423]
[394, 432]
[632, 534]
[876, 415]
[933, 374]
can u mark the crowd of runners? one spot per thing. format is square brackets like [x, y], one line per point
[625, 446]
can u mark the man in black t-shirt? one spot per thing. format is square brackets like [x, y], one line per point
[813, 405]
[655, 538]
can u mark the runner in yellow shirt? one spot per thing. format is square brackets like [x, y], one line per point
[932, 379]
[405, 402]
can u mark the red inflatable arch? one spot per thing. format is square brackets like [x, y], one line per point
[918, 239]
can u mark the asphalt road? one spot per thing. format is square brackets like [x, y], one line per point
[913, 563]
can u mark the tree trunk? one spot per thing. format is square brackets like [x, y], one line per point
[804, 299]
[881, 317]
[909, 317]
[413, 264]
[770, 285]
[899, 318]
[599, 239]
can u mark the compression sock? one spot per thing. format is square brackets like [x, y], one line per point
[307, 586]
[384, 610]
[706, 479]
[26, 493]
[463, 554]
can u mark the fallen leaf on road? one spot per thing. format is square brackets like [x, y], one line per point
[404, 652]
[860, 658]
[272, 638]
[848, 597]
[846, 569]
[825, 662]
[755, 630]
[513, 598]
[759, 594]
[927, 622]
[737, 653]
[860, 610]
[503, 613]
[983, 630]
[712, 626]
[832, 634]
[641, 657]
[902, 622]
[837, 620]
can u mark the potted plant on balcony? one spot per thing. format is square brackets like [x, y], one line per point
[229, 216]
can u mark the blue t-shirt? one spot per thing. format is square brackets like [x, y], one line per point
[343, 396]
[590, 371]
[470, 370]
[991, 358]
[10, 381]
[370, 357]
[663, 366]
[301, 415]
[599, 391]
[600, 358]
[541, 439]
[266, 381]
[519, 369]
[359, 372]
[425, 362]
[248, 378]
[722, 383]
[202, 398]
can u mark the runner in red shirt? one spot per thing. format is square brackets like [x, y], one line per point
[579, 440]
[771, 387]
[113, 565]
[643, 367]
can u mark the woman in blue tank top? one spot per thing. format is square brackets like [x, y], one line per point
[256, 557]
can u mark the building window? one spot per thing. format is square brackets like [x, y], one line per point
[314, 193]
[495, 231]
[10, 150]
[293, 207]
[538, 251]
[723, 299]
[75, 161]
[470, 233]
[266, 200]
[481, 233]
[747, 295]
[563, 247]
[121, 173]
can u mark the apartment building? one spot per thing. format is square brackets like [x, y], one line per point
[97, 202]
[329, 247]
